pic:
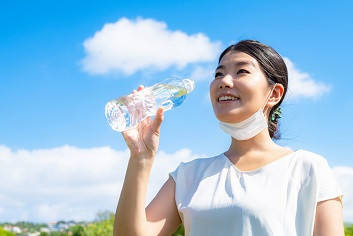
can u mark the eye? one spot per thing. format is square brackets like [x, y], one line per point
[218, 74]
[243, 71]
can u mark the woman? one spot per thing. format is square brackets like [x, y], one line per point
[256, 187]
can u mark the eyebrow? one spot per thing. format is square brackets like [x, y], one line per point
[238, 63]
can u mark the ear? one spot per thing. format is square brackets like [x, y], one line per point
[276, 95]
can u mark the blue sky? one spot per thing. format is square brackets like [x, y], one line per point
[52, 101]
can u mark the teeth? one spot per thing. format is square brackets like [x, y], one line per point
[227, 98]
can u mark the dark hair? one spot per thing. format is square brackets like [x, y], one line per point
[273, 66]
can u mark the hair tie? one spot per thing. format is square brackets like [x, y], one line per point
[276, 114]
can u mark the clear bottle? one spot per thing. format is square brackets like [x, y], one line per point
[127, 111]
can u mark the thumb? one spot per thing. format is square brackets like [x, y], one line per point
[157, 121]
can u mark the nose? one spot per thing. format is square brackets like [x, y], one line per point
[226, 81]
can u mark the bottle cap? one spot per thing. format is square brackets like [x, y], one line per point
[189, 85]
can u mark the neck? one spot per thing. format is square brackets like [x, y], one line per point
[262, 142]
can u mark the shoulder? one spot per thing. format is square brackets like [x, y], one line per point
[308, 163]
[308, 158]
[198, 164]
[194, 169]
[315, 168]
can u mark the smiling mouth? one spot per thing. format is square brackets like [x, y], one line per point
[227, 99]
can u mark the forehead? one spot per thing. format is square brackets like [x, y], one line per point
[233, 58]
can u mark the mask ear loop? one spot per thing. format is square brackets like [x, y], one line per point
[268, 97]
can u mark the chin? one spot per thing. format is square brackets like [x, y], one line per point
[232, 114]
[230, 118]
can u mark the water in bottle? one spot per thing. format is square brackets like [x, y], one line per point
[127, 111]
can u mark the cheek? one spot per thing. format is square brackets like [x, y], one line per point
[212, 89]
[252, 82]
[255, 100]
[212, 92]
[253, 88]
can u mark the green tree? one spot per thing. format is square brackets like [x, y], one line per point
[77, 230]
[102, 226]
[179, 231]
[348, 230]
[5, 233]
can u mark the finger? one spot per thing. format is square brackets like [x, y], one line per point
[126, 135]
[157, 121]
[140, 87]
[146, 121]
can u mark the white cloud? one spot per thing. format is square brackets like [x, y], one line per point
[51, 212]
[66, 182]
[128, 46]
[47, 185]
[302, 85]
[201, 73]
[344, 176]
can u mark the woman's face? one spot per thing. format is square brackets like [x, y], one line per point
[239, 89]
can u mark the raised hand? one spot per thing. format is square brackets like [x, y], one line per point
[143, 139]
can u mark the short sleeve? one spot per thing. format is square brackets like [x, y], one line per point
[174, 174]
[182, 173]
[182, 182]
[179, 171]
[328, 186]
[187, 177]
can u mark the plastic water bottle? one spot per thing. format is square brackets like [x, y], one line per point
[127, 111]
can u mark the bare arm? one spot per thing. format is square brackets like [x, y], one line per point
[329, 218]
[162, 213]
[131, 217]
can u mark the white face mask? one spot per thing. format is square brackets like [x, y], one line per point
[249, 127]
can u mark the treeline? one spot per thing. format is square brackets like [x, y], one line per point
[348, 229]
[103, 226]
[97, 229]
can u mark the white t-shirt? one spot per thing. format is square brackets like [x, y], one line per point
[213, 197]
